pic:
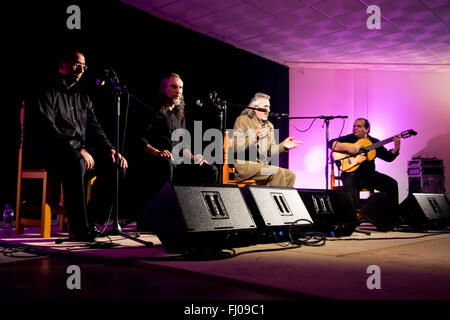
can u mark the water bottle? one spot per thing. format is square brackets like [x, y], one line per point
[8, 220]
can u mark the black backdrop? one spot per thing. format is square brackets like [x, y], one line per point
[141, 49]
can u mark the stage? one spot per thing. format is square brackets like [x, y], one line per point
[411, 266]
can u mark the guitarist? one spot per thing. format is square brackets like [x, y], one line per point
[366, 176]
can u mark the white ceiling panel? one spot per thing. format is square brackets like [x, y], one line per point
[414, 34]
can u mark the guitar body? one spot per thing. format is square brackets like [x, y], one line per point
[351, 163]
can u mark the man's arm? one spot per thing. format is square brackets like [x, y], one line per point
[348, 148]
[94, 128]
[389, 155]
[243, 136]
[396, 150]
[40, 115]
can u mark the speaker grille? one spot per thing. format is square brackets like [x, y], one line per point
[214, 203]
[281, 204]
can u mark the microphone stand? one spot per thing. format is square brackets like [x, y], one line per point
[222, 107]
[116, 229]
[327, 138]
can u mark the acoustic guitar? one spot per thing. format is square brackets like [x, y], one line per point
[349, 163]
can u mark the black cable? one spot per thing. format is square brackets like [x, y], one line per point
[279, 241]
[312, 122]
[319, 237]
[342, 128]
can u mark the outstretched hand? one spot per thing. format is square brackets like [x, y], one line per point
[290, 143]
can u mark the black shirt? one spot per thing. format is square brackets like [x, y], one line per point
[367, 166]
[63, 118]
[159, 129]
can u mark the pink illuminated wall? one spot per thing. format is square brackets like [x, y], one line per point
[393, 101]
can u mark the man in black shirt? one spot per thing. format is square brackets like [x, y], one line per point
[154, 153]
[366, 176]
[62, 134]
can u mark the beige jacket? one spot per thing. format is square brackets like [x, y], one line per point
[251, 154]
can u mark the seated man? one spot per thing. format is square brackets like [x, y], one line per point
[155, 163]
[365, 176]
[62, 134]
[255, 146]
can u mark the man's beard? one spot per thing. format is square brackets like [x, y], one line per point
[176, 101]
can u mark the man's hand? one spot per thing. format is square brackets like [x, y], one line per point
[262, 132]
[87, 159]
[123, 161]
[198, 159]
[164, 154]
[157, 153]
[290, 143]
[397, 140]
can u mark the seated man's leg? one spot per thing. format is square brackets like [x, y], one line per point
[103, 189]
[147, 176]
[384, 183]
[70, 165]
[352, 184]
[275, 176]
[193, 174]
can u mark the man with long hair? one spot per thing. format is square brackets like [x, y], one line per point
[255, 147]
[155, 162]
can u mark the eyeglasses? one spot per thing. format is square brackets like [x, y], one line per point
[80, 65]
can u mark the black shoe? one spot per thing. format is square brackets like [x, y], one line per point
[83, 236]
[94, 230]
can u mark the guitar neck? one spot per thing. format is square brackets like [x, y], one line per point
[379, 144]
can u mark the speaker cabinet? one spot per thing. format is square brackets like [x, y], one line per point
[426, 211]
[381, 211]
[333, 211]
[187, 218]
[276, 211]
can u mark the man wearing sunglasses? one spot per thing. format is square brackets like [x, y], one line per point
[255, 148]
[63, 135]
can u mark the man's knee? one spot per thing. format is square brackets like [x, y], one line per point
[74, 163]
[393, 183]
[213, 172]
[293, 176]
[290, 177]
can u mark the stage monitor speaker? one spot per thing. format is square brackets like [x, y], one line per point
[333, 211]
[187, 218]
[426, 211]
[381, 211]
[277, 211]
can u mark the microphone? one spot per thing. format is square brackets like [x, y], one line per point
[107, 77]
[210, 98]
[278, 115]
[199, 103]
